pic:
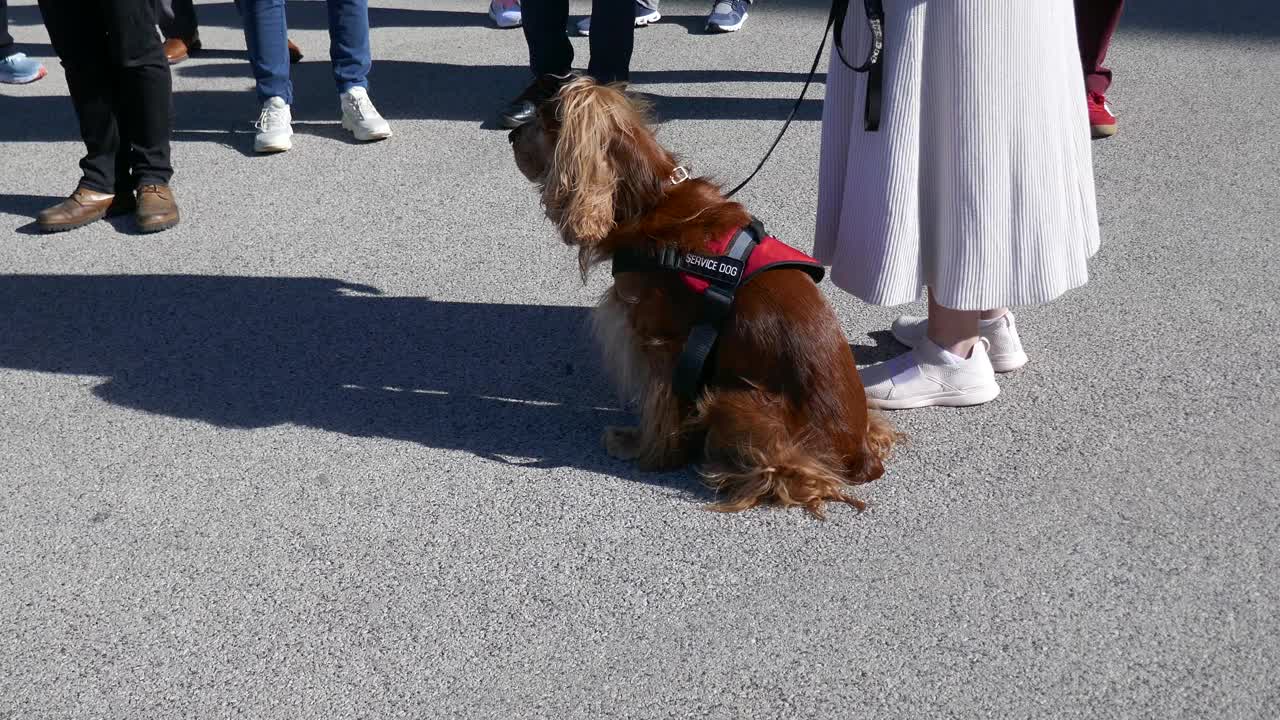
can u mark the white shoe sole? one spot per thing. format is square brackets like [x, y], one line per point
[642, 21]
[728, 28]
[1002, 363]
[273, 146]
[948, 398]
[503, 24]
[365, 135]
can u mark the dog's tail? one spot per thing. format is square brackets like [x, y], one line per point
[751, 456]
[779, 472]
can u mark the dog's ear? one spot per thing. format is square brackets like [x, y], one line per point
[600, 164]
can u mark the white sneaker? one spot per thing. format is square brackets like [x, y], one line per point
[1006, 347]
[361, 117]
[924, 377]
[505, 13]
[275, 127]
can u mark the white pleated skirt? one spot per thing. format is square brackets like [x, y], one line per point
[979, 182]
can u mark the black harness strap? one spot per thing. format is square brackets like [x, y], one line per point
[724, 273]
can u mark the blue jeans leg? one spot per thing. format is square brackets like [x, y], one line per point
[267, 38]
[349, 43]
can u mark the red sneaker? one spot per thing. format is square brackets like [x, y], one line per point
[1101, 120]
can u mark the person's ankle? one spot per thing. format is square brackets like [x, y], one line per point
[961, 347]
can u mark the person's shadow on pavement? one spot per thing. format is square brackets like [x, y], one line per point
[513, 383]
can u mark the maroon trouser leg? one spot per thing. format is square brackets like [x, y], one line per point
[1096, 21]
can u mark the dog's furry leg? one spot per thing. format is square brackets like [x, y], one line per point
[663, 440]
[622, 443]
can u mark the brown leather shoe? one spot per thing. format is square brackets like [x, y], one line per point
[295, 54]
[157, 209]
[83, 207]
[178, 49]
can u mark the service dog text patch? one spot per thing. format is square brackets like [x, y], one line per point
[720, 270]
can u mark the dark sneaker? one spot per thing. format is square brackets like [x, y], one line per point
[727, 15]
[525, 106]
[644, 16]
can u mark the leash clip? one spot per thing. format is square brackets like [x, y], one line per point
[678, 175]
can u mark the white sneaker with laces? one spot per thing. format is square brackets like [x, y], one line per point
[361, 117]
[925, 376]
[275, 127]
[1006, 347]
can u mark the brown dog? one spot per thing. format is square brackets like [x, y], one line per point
[782, 417]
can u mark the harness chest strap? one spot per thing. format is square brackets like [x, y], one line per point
[743, 254]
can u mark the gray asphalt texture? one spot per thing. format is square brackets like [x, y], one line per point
[330, 448]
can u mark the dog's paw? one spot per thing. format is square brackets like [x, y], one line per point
[622, 443]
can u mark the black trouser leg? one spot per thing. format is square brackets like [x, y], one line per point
[6, 40]
[545, 33]
[612, 34]
[177, 19]
[78, 36]
[143, 98]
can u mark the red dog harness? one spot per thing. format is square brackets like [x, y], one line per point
[741, 255]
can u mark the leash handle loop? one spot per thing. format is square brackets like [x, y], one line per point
[874, 67]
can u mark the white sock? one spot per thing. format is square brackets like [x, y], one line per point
[950, 358]
[992, 321]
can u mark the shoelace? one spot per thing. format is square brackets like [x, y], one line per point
[361, 106]
[726, 7]
[270, 119]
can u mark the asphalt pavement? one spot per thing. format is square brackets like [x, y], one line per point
[330, 448]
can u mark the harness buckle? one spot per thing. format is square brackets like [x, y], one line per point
[678, 175]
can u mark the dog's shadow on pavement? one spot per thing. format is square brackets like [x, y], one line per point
[513, 383]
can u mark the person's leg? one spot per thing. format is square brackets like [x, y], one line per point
[550, 52]
[76, 32]
[266, 36]
[612, 36]
[1096, 22]
[177, 19]
[143, 100]
[550, 59]
[955, 331]
[349, 50]
[6, 40]
[349, 43]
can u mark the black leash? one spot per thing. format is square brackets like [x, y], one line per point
[874, 67]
